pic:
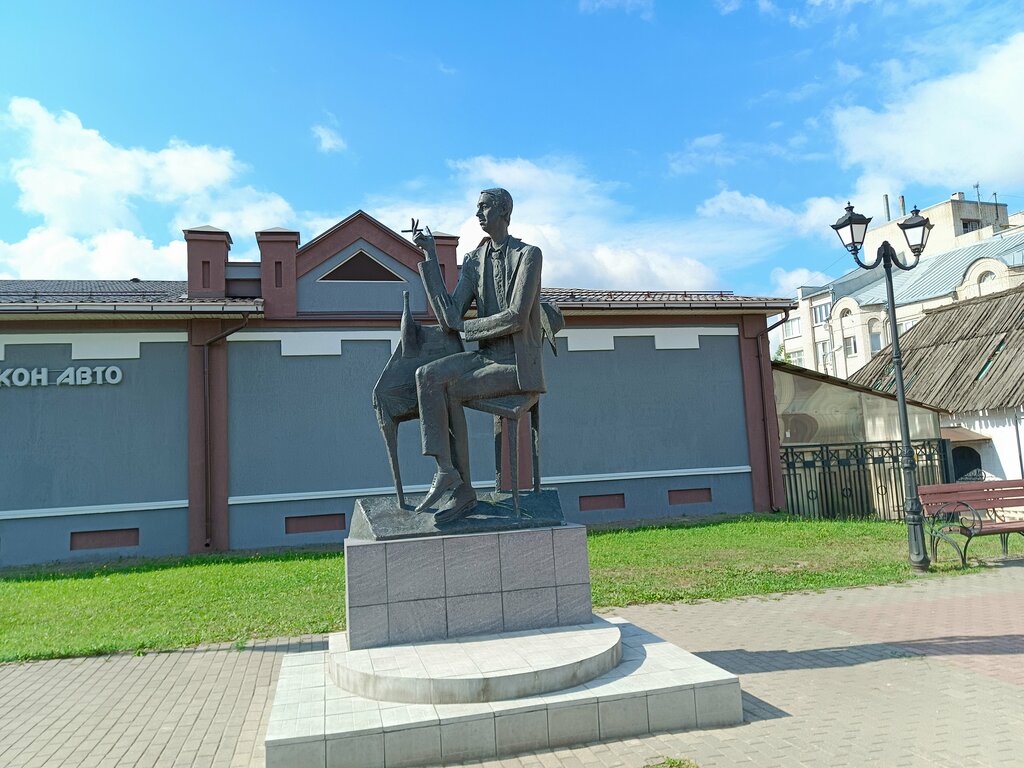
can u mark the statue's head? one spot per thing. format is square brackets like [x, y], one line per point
[497, 202]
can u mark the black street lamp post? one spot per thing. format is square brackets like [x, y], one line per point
[851, 229]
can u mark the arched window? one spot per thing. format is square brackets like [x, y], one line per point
[986, 282]
[875, 335]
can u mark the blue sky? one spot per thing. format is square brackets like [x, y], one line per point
[694, 144]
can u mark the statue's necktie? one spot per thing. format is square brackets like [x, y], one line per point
[498, 267]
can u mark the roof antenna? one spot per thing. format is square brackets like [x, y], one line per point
[977, 192]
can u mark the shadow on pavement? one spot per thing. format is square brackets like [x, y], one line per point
[741, 662]
[755, 709]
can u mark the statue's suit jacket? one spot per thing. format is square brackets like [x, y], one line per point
[521, 320]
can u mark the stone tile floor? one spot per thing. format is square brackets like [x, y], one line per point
[924, 674]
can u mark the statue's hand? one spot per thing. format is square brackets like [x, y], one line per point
[424, 240]
[449, 318]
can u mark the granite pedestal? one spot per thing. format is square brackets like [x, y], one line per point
[406, 590]
[477, 641]
[655, 687]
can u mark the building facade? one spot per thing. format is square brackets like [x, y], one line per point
[967, 358]
[974, 249]
[233, 411]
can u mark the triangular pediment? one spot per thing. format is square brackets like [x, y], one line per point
[361, 267]
[358, 226]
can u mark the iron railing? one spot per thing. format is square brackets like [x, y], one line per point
[856, 481]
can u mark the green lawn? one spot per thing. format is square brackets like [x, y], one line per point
[159, 605]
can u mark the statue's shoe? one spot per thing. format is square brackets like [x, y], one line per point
[462, 503]
[443, 482]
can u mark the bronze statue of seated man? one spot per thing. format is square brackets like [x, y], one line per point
[503, 278]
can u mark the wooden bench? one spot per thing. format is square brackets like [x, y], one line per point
[972, 510]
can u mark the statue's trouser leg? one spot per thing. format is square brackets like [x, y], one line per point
[489, 381]
[432, 382]
[459, 440]
[442, 386]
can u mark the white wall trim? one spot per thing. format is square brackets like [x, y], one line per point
[328, 343]
[270, 498]
[563, 480]
[678, 337]
[99, 509]
[95, 346]
[317, 343]
[613, 476]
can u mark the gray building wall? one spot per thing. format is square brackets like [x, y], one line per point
[96, 445]
[634, 421]
[314, 295]
[302, 427]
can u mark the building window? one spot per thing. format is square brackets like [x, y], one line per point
[791, 329]
[905, 326]
[986, 283]
[824, 349]
[821, 312]
[796, 357]
[850, 346]
[970, 225]
[875, 336]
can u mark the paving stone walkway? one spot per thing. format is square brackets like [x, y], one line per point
[924, 674]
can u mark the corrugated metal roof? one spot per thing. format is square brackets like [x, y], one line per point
[963, 357]
[91, 291]
[668, 299]
[941, 274]
[106, 292]
[153, 298]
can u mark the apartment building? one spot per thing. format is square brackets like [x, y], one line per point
[974, 249]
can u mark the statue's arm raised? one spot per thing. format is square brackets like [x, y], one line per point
[525, 293]
[449, 309]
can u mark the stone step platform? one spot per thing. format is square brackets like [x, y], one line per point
[509, 665]
[655, 687]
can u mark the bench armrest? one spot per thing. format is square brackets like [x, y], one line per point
[955, 515]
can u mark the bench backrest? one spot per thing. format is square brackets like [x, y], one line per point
[988, 494]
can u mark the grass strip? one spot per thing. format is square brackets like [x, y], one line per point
[154, 605]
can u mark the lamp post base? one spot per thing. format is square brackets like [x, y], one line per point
[918, 556]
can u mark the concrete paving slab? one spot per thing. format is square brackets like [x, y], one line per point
[904, 664]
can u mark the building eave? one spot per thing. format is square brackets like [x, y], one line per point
[76, 309]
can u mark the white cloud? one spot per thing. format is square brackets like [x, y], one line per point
[81, 183]
[726, 7]
[700, 152]
[777, 223]
[643, 8]
[946, 131]
[785, 282]
[714, 151]
[328, 140]
[589, 239]
[792, 96]
[820, 10]
[47, 253]
[847, 73]
[88, 192]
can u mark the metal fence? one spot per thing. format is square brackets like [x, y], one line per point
[856, 481]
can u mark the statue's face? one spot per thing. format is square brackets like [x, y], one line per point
[488, 213]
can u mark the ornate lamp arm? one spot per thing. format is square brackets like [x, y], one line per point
[905, 266]
[856, 257]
